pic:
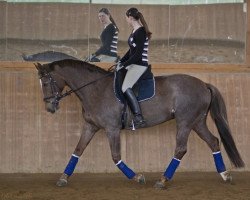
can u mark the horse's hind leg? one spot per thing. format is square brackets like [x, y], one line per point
[202, 130]
[183, 132]
[87, 134]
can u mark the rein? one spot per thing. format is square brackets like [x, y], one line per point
[67, 93]
[73, 91]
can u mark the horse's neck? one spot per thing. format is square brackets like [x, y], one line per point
[90, 92]
[77, 78]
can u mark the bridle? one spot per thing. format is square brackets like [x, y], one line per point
[55, 95]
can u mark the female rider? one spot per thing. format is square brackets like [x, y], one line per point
[135, 61]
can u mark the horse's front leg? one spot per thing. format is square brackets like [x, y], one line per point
[115, 146]
[88, 132]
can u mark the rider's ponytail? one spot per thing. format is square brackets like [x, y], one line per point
[133, 12]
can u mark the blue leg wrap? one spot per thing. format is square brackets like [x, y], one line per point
[171, 168]
[125, 169]
[220, 166]
[71, 165]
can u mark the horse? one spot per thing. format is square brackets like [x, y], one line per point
[182, 97]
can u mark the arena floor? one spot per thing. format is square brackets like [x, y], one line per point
[188, 185]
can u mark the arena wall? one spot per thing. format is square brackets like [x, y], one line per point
[248, 36]
[57, 21]
[2, 21]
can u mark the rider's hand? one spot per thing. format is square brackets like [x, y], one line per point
[119, 66]
[92, 56]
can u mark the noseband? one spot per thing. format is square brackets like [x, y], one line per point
[55, 97]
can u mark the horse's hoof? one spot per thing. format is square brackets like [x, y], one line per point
[63, 180]
[160, 185]
[227, 177]
[140, 178]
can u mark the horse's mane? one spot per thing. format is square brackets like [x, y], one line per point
[77, 64]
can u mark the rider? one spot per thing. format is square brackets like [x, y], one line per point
[135, 61]
[109, 38]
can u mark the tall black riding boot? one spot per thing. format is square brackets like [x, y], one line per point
[135, 108]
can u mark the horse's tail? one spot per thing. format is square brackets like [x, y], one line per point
[219, 115]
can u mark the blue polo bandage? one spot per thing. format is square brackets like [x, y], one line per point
[171, 168]
[71, 165]
[220, 166]
[125, 169]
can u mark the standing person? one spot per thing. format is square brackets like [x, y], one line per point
[135, 61]
[109, 39]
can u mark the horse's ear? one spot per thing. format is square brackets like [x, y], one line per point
[38, 66]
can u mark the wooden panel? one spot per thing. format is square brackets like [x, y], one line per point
[207, 21]
[248, 35]
[43, 21]
[32, 140]
[3, 41]
[3, 20]
[47, 21]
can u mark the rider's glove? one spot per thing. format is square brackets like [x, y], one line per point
[119, 66]
[92, 56]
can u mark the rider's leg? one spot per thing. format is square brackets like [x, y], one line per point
[135, 107]
[132, 76]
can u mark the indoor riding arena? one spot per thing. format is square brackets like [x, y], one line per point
[207, 39]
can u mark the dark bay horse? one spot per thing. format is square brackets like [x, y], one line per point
[183, 97]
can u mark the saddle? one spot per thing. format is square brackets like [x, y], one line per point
[144, 90]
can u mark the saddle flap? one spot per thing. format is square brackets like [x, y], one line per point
[144, 89]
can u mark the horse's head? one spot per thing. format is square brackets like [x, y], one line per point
[52, 86]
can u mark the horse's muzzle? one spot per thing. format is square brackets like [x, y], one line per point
[51, 107]
[51, 110]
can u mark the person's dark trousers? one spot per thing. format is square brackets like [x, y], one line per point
[135, 108]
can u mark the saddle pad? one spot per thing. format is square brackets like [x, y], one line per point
[144, 89]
